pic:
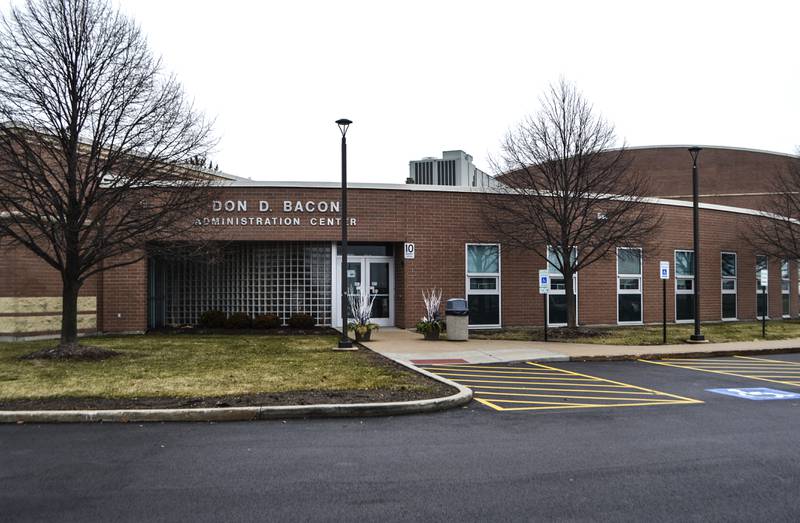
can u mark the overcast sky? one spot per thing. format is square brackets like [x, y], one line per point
[421, 77]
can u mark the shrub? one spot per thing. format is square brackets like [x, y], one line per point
[212, 319]
[238, 320]
[266, 321]
[302, 321]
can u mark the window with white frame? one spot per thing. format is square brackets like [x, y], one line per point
[557, 298]
[629, 285]
[786, 287]
[762, 293]
[483, 284]
[728, 275]
[684, 285]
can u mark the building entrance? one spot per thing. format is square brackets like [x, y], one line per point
[369, 276]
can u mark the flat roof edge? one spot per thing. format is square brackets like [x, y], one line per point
[457, 189]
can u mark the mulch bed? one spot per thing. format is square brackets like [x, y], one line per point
[71, 352]
[281, 331]
[309, 397]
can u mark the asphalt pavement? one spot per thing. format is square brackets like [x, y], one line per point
[717, 458]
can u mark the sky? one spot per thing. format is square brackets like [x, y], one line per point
[420, 77]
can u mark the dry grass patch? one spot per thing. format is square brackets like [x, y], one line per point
[199, 366]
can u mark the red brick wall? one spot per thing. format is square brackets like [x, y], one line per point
[441, 223]
[721, 171]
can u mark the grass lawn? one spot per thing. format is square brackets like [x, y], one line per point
[196, 366]
[651, 334]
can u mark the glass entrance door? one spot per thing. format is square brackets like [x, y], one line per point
[379, 288]
[369, 276]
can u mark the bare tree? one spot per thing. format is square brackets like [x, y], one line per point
[776, 232]
[95, 141]
[567, 186]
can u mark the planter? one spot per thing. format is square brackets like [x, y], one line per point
[365, 336]
[432, 334]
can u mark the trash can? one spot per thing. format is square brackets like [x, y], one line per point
[456, 314]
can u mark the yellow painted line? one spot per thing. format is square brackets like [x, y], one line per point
[550, 379]
[500, 374]
[718, 372]
[795, 375]
[741, 362]
[487, 393]
[711, 360]
[606, 385]
[595, 406]
[488, 404]
[533, 402]
[734, 365]
[769, 360]
[562, 390]
[532, 378]
[491, 369]
[755, 368]
[616, 382]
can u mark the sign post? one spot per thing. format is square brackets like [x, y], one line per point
[544, 290]
[663, 273]
[764, 285]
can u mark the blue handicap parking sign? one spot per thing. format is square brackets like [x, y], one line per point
[758, 393]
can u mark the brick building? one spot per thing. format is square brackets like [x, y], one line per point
[279, 255]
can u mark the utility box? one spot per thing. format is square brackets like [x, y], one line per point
[456, 312]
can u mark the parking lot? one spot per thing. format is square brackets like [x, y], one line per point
[558, 387]
[613, 441]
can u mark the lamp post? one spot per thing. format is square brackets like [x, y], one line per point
[344, 342]
[697, 336]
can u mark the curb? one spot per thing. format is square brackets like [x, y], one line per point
[337, 410]
[698, 354]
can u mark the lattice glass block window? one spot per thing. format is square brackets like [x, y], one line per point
[281, 278]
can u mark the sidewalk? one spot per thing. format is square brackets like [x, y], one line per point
[409, 346]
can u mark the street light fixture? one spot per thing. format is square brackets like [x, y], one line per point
[344, 342]
[697, 337]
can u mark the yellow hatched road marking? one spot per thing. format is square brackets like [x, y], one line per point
[587, 405]
[534, 384]
[733, 361]
[777, 375]
[757, 366]
[492, 393]
[543, 383]
[562, 378]
[618, 383]
[556, 403]
[766, 359]
[723, 373]
[754, 368]
[499, 370]
[590, 406]
[561, 390]
[736, 363]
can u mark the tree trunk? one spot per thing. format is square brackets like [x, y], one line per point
[569, 291]
[69, 310]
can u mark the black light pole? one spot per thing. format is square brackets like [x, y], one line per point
[696, 337]
[344, 342]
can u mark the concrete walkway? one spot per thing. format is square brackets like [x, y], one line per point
[409, 346]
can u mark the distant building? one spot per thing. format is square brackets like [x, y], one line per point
[454, 168]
